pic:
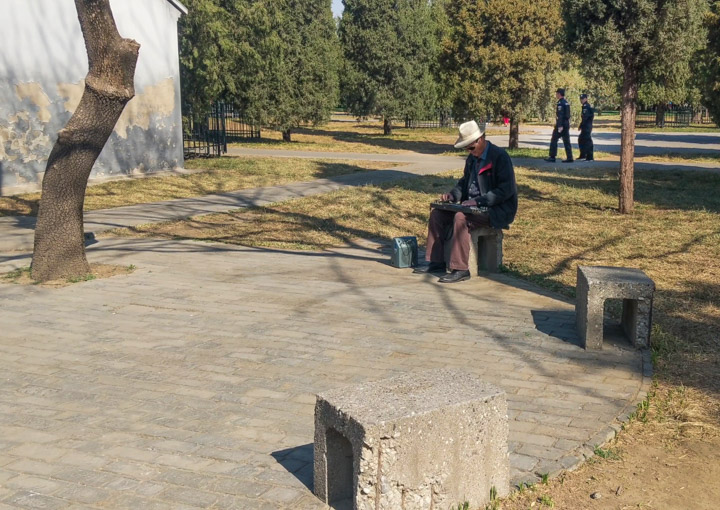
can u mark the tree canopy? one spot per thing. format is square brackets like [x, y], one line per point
[498, 54]
[390, 49]
[277, 59]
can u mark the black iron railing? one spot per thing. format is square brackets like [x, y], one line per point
[208, 135]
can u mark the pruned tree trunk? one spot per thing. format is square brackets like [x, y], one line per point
[627, 140]
[287, 135]
[660, 115]
[514, 141]
[387, 126]
[59, 242]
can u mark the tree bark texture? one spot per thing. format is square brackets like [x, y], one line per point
[627, 140]
[387, 126]
[514, 141]
[660, 116]
[287, 135]
[59, 241]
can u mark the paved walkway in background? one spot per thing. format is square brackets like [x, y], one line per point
[609, 141]
[190, 383]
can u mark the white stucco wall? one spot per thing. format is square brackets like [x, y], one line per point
[43, 63]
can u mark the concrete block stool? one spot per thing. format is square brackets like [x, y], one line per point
[419, 441]
[595, 284]
[486, 252]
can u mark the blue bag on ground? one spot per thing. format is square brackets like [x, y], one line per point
[404, 252]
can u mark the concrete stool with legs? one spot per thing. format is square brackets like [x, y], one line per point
[595, 284]
[419, 441]
[486, 252]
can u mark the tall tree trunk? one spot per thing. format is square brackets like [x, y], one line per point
[59, 242]
[627, 140]
[660, 115]
[287, 135]
[387, 126]
[514, 142]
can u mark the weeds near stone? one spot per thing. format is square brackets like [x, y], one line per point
[607, 453]
[546, 500]
[84, 278]
[544, 478]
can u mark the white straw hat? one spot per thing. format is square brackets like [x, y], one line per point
[469, 133]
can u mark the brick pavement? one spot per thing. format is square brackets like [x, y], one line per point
[189, 383]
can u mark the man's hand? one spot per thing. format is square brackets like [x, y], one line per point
[469, 203]
[447, 197]
[560, 129]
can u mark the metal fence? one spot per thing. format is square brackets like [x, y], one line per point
[208, 135]
[443, 119]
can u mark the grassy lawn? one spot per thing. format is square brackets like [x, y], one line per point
[214, 175]
[365, 137]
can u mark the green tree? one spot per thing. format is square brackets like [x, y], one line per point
[207, 53]
[276, 59]
[294, 77]
[499, 53]
[390, 49]
[711, 64]
[639, 40]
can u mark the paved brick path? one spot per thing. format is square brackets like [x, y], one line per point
[190, 383]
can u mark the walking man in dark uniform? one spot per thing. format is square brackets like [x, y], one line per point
[586, 124]
[562, 128]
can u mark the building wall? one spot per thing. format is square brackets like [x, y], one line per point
[43, 63]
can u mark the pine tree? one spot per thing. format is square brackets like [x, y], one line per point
[390, 49]
[711, 64]
[498, 53]
[295, 80]
[639, 40]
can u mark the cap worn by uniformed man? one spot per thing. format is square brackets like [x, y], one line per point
[469, 132]
[561, 91]
[583, 96]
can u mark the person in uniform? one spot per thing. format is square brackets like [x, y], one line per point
[586, 124]
[562, 128]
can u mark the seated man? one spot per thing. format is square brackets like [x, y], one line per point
[488, 181]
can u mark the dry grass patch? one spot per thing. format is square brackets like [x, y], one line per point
[214, 175]
[366, 137]
[97, 271]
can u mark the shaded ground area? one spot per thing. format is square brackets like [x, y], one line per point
[190, 382]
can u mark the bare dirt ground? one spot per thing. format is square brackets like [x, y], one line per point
[668, 458]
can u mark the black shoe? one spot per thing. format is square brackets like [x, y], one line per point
[550, 160]
[433, 267]
[568, 160]
[456, 275]
[580, 158]
[589, 159]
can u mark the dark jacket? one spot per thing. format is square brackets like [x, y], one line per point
[498, 191]
[588, 115]
[562, 114]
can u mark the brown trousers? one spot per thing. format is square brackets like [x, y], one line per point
[443, 223]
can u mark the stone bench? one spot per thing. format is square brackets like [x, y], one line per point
[595, 284]
[419, 441]
[486, 253]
